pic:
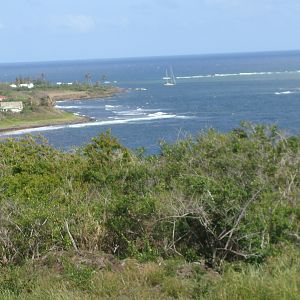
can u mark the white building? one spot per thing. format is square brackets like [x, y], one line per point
[13, 106]
[28, 85]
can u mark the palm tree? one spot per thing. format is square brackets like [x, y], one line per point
[103, 78]
[88, 78]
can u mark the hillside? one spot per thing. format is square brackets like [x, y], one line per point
[214, 216]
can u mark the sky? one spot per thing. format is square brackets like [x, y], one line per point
[44, 30]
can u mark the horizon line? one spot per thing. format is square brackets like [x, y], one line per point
[150, 56]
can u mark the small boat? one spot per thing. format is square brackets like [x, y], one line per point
[169, 78]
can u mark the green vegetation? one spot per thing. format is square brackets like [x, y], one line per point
[211, 217]
[39, 103]
[54, 278]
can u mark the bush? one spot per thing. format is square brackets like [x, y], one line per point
[231, 196]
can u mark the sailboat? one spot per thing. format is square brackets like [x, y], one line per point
[169, 78]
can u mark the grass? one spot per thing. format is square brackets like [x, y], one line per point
[104, 222]
[277, 279]
[39, 119]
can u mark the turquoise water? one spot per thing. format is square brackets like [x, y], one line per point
[216, 91]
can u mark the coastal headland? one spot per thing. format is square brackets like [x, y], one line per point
[38, 104]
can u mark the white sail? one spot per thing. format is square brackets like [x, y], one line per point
[173, 77]
[169, 78]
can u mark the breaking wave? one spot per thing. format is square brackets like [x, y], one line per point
[68, 106]
[236, 74]
[285, 93]
[111, 107]
[148, 117]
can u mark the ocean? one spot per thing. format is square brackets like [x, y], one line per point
[212, 91]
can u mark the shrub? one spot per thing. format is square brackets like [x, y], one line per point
[231, 196]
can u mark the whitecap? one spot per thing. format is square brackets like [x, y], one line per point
[111, 107]
[237, 74]
[150, 117]
[68, 106]
[129, 113]
[284, 93]
[159, 113]
[194, 76]
[224, 75]
[130, 120]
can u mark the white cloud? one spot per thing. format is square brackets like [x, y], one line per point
[75, 22]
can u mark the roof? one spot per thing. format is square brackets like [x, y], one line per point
[28, 85]
[2, 97]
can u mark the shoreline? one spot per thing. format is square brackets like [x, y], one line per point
[13, 129]
[78, 119]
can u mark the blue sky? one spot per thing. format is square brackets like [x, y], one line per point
[41, 30]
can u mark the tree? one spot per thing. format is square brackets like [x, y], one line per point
[88, 78]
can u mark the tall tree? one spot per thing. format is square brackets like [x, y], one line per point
[88, 78]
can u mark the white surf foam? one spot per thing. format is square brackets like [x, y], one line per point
[31, 130]
[139, 112]
[111, 107]
[69, 106]
[284, 93]
[149, 117]
[129, 113]
[235, 74]
[194, 76]
[157, 114]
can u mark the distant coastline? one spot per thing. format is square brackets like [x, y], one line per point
[45, 113]
[78, 120]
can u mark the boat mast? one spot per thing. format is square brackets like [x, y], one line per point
[167, 76]
[172, 75]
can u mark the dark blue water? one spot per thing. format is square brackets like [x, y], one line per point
[216, 91]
